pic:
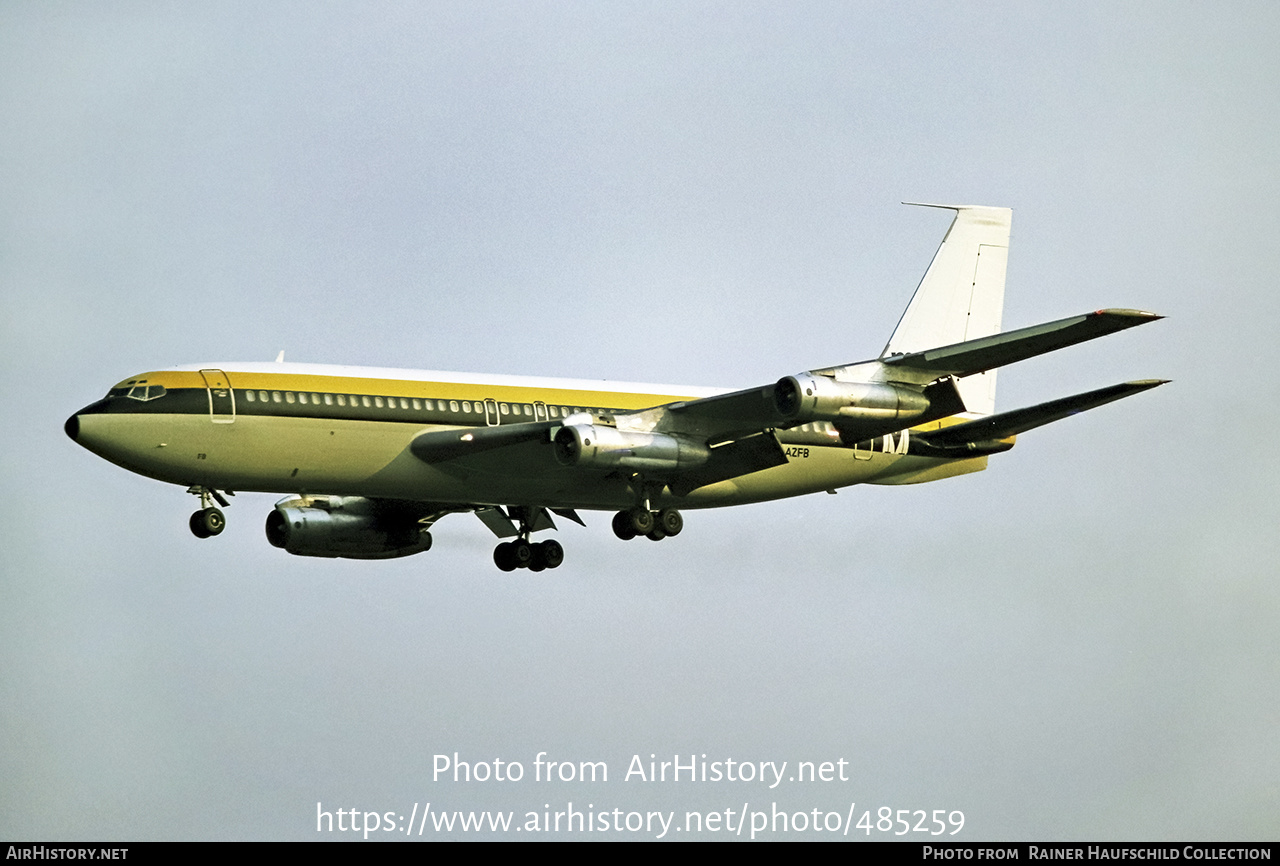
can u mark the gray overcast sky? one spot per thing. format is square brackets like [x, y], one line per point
[1079, 643]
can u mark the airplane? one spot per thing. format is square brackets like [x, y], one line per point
[371, 458]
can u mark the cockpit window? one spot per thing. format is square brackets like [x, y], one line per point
[146, 392]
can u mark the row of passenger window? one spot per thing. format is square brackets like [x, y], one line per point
[466, 407]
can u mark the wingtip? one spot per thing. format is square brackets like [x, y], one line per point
[1135, 314]
[1000, 214]
[940, 206]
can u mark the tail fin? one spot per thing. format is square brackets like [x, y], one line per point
[961, 296]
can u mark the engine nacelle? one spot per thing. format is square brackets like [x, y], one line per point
[596, 447]
[351, 527]
[807, 397]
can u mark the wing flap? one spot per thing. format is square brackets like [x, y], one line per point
[502, 523]
[497, 521]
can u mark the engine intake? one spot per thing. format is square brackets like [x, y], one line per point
[350, 527]
[807, 397]
[596, 447]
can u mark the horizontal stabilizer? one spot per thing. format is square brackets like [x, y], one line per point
[986, 353]
[1006, 424]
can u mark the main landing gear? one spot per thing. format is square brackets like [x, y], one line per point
[654, 525]
[522, 553]
[535, 556]
[644, 520]
[208, 521]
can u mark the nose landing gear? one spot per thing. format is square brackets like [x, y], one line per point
[208, 521]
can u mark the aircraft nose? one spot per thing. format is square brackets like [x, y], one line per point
[74, 426]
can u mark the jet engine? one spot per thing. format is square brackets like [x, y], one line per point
[351, 527]
[807, 397]
[596, 447]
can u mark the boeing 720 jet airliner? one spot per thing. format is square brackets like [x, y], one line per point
[370, 459]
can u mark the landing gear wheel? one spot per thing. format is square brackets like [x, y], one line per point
[522, 553]
[656, 534]
[504, 556]
[197, 525]
[214, 521]
[207, 522]
[551, 553]
[622, 526]
[642, 520]
[670, 521]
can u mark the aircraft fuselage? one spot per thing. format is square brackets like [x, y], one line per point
[295, 428]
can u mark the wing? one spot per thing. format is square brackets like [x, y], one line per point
[995, 432]
[986, 353]
[692, 443]
[871, 398]
[682, 456]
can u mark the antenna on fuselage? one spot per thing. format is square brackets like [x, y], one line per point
[280, 357]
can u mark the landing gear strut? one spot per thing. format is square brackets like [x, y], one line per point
[641, 520]
[208, 521]
[522, 553]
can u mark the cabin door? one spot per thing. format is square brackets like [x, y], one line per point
[222, 400]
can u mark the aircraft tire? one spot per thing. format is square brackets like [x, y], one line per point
[622, 526]
[504, 556]
[196, 523]
[656, 534]
[521, 553]
[552, 553]
[642, 520]
[214, 521]
[670, 521]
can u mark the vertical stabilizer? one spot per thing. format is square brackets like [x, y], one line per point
[962, 295]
